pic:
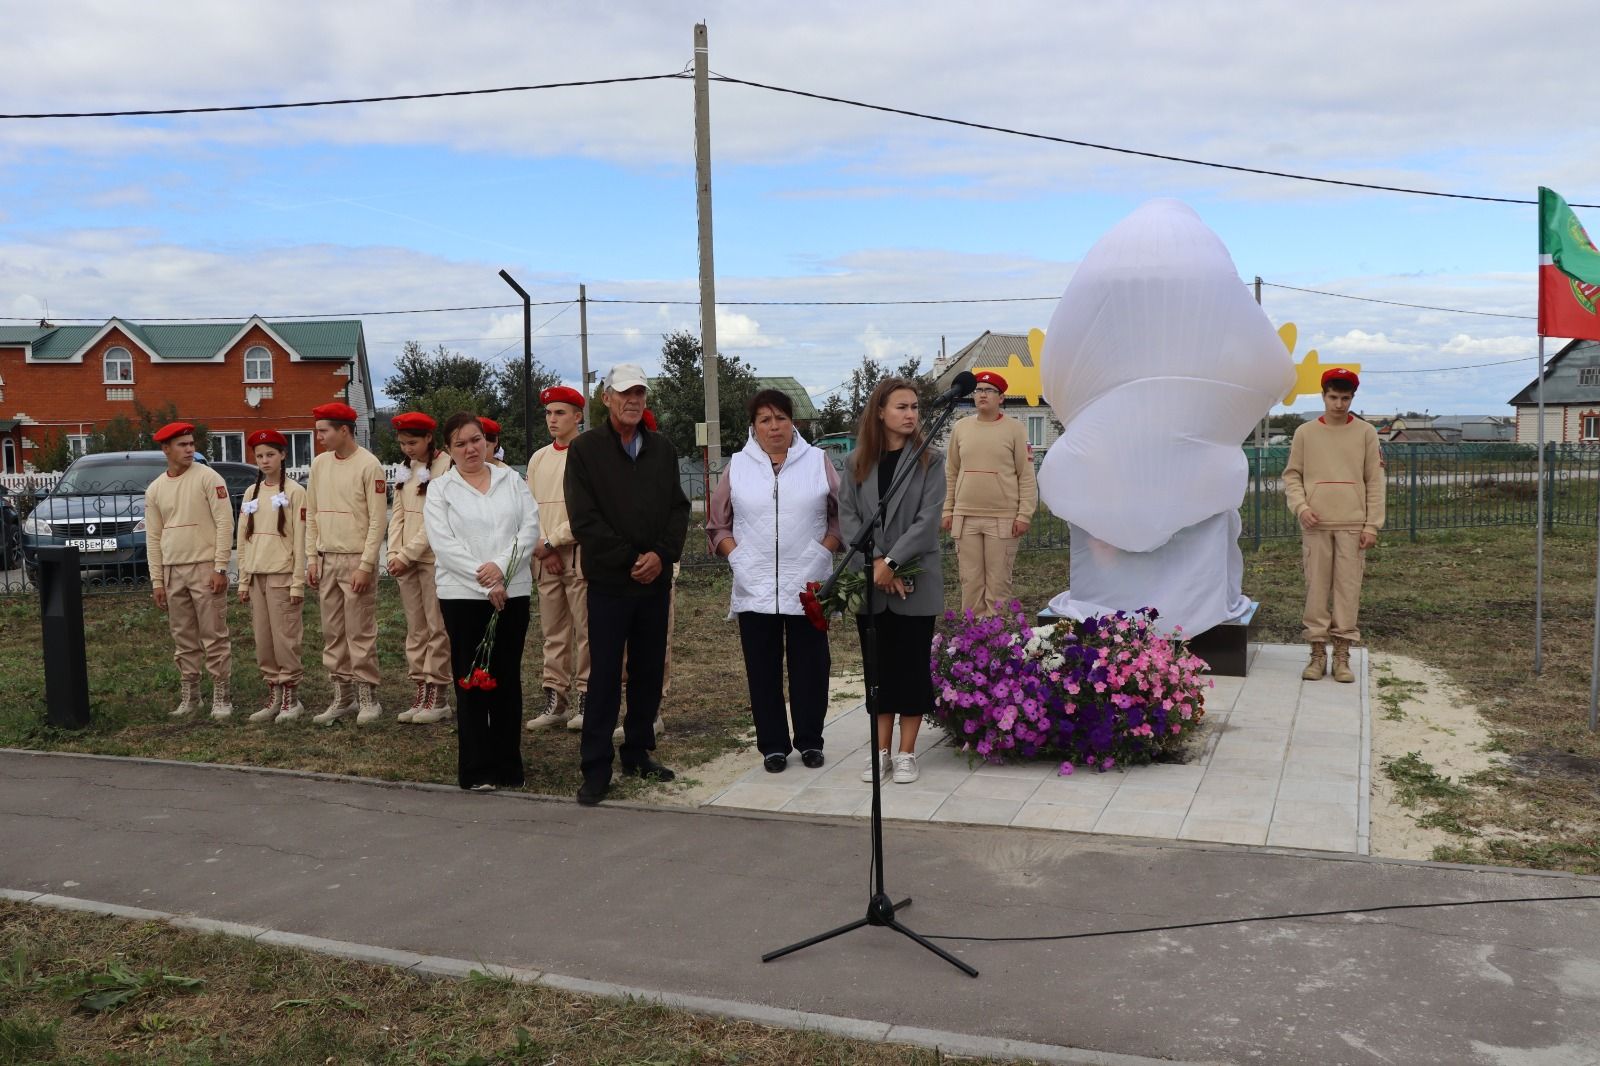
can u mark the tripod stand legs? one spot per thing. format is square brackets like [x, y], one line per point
[880, 911]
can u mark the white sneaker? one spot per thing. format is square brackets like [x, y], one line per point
[883, 766]
[905, 768]
[616, 734]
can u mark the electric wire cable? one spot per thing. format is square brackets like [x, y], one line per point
[270, 318]
[1296, 916]
[1164, 157]
[340, 102]
[1397, 303]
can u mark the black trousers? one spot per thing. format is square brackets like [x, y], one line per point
[637, 626]
[905, 645]
[763, 637]
[489, 723]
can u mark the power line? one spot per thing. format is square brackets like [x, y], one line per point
[324, 314]
[1397, 303]
[1125, 151]
[219, 109]
[836, 303]
[1442, 369]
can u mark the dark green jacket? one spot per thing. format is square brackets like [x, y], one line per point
[622, 507]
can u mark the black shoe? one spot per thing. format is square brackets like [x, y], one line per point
[775, 763]
[649, 769]
[590, 793]
[812, 757]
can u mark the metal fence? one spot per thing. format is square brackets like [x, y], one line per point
[1429, 487]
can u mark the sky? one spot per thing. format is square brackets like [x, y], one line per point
[419, 204]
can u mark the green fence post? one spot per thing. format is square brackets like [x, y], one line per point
[1258, 499]
[1411, 506]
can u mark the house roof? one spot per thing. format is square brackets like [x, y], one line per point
[339, 339]
[990, 349]
[1561, 376]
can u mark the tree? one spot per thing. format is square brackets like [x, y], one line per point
[57, 455]
[678, 399]
[508, 388]
[835, 416]
[124, 434]
[417, 372]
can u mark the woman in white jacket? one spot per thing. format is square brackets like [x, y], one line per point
[775, 516]
[482, 526]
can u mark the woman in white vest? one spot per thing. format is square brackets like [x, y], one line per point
[775, 517]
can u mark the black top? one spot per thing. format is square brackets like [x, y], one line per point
[622, 507]
[886, 467]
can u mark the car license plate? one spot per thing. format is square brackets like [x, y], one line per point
[93, 544]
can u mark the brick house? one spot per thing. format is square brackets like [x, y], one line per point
[234, 377]
[1571, 398]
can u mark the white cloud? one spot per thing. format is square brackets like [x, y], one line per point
[737, 333]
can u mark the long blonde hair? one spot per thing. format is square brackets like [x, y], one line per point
[870, 437]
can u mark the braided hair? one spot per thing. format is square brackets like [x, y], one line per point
[427, 464]
[255, 494]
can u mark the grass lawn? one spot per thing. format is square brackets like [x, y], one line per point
[202, 999]
[1461, 600]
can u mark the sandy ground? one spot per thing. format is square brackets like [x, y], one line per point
[704, 782]
[1442, 725]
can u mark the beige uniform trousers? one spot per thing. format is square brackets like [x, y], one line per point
[1334, 563]
[564, 618]
[986, 552]
[278, 625]
[427, 646]
[349, 621]
[199, 621]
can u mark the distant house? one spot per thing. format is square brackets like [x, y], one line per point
[234, 377]
[996, 350]
[804, 409]
[1571, 397]
[1476, 429]
[1420, 435]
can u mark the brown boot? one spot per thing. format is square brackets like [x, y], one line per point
[1341, 662]
[1317, 668]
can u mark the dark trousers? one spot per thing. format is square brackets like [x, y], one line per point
[763, 637]
[489, 723]
[905, 646]
[637, 626]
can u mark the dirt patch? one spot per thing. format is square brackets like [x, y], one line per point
[1417, 709]
[1548, 762]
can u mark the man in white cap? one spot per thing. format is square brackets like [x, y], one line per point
[629, 516]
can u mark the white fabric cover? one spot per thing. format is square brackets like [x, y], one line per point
[1158, 363]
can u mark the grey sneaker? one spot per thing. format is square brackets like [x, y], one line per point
[905, 768]
[884, 766]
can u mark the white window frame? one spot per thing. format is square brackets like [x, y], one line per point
[299, 457]
[220, 442]
[8, 455]
[1588, 377]
[77, 444]
[106, 362]
[1036, 430]
[1589, 427]
[266, 353]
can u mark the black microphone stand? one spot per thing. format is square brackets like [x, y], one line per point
[880, 908]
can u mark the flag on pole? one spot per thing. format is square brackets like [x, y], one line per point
[1569, 273]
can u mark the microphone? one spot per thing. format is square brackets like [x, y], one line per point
[962, 387]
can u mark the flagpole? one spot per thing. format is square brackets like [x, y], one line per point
[1538, 521]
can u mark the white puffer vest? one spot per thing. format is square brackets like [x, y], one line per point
[778, 522]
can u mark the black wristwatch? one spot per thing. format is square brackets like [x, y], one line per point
[891, 563]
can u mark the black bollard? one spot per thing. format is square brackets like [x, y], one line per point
[66, 671]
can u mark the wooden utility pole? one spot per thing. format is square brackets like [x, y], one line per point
[583, 348]
[708, 284]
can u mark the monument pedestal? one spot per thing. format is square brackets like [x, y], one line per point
[1224, 647]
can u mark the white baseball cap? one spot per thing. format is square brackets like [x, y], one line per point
[625, 376]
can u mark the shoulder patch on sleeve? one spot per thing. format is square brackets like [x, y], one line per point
[302, 514]
[379, 484]
[222, 492]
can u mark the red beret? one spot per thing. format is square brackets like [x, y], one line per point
[649, 420]
[413, 422]
[171, 430]
[334, 412]
[562, 394]
[491, 428]
[267, 436]
[989, 377]
[1340, 374]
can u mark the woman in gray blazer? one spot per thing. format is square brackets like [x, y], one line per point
[906, 606]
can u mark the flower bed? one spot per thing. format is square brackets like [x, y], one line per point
[1108, 691]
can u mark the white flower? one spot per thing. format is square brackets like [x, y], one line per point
[280, 500]
[401, 476]
[423, 477]
[249, 506]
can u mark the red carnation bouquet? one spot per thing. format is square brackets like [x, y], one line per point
[479, 676]
[848, 594]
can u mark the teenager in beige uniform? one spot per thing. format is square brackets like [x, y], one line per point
[1334, 485]
[188, 539]
[346, 505]
[272, 574]
[990, 496]
[563, 593]
[410, 563]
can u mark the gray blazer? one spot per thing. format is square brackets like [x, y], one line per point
[910, 530]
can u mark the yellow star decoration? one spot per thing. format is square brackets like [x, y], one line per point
[1022, 381]
[1308, 372]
